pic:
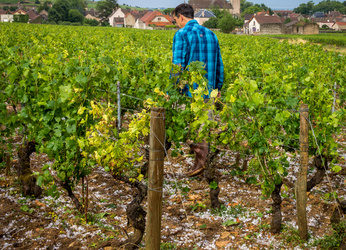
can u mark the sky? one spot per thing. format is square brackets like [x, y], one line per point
[274, 4]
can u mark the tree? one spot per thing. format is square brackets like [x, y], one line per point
[252, 10]
[287, 20]
[91, 22]
[45, 7]
[328, 5]
[75, 16]
[20, 18]
[61, 9]
[212, 23]
[168, 11]
[227, 23]
[244, 5]
[105, 8]
[305, 8]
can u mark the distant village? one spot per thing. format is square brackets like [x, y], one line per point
[263, 22]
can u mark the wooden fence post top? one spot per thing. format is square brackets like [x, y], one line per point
[157, 109]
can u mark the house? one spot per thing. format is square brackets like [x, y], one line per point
[318, 15]
[264, 24]
[91, 17]
[324, 24]
[19, 12]
[296, 17]
[5, 16]
[32, 15]
[117, 18]
[233, 6]
[247, 17]
[301, 28]
[153, 19]
[283, 13]
[43, 13]
[203, 15]
[132, 17]
[339, 26]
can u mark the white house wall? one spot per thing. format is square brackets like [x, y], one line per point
[7, 18]
[254, 26]
[159, 19]
[117, 13]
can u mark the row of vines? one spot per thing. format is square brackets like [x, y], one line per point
[59, 94]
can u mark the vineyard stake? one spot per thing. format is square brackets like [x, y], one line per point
[302, 175]
[119, 105]
[155, 178]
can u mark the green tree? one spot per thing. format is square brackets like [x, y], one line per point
[244, 5]
[305, 8]
[228, 23]
[212, 23]
[59, 11]
[252, 10]
[328, 5]
[168, 11]
[75, 16]
[20, 18]
[45, 7]
[105, 8]
[61, 8]
[91, 22]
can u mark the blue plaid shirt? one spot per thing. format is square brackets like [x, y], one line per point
[197, 43]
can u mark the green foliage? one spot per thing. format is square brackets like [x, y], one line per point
[91, 22]
[75, 16]
[65, 11]
[335, 240]
[106, 7]
[20, 18]
[168, 11]
[290, 236]
[323, 6]
[64, 78]
[227, 23]
[223, 20]
[212, 23]
[44, 6]
[305, 8]
[168, 246]
[330, 39]
[198, 207]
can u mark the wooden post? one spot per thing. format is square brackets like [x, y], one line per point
[155, 178]
[302, 175]
[119, 105]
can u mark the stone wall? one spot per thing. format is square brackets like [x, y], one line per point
[271, 29]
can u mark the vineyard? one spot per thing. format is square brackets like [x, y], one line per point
[75, 114]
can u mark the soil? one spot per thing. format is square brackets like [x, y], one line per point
[187, 220]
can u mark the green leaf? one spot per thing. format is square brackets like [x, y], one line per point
[213, 185]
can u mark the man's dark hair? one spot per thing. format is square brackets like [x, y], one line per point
[184, 9]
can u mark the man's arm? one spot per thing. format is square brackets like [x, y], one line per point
[179, 50]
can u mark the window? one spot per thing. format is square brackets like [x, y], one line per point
[159, 18]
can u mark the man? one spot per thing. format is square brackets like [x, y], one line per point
[194, 42]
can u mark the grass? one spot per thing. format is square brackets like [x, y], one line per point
[338, 39]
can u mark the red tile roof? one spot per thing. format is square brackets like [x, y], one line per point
[148, 17]
[261, 19]
[32, 14]
[340, 23]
